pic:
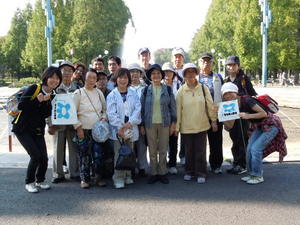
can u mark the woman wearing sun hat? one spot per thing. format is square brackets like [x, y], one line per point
[194, 112]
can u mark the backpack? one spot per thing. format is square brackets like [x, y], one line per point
[269, 103]
[13, 100]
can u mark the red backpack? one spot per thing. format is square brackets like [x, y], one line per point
[269, 103]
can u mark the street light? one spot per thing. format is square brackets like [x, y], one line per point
[49, 28]
[264, 32]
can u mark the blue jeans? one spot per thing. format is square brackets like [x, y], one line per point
[258, 142]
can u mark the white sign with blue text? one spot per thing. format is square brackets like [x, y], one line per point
[228, 110]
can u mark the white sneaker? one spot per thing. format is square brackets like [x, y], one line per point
[182, 161]
[172, 170]
[246, 178]
[187, 177]
[255, 180]
[201, 180]
[119, 185]
[43, 185]
[217, 171]
[31, 188]
[128, 180]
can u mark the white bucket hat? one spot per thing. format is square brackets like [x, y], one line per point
[168, 66]
[229, 87]
[135, 66]
[190, 66]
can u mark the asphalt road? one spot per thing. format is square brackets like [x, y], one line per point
[224, 199]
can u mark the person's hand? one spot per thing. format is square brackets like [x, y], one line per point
[215, 108]
[142, 130]
[80, 132]
[214, 126]
[245, 115]
[172, 129]
[121, 133]
[40, 97]
[51, 130]
[176, 132]
[127, 126]
[46, 97]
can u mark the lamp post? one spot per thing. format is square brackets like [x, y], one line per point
[264, 32]
[49, 28]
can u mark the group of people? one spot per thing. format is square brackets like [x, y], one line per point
[148, 107]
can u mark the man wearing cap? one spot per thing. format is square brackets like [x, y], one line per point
[214, 83]
[64, 133]
[178, 60]
[114, 64]
[238, 133]
[144, 56]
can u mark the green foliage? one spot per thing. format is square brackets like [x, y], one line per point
[16, 39]
[26, 82]
[98, 25]
[163, 55]
[233, 27]
[34, 57]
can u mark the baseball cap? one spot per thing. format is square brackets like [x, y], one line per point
[233, 59]
[178, 50]
[144, 49]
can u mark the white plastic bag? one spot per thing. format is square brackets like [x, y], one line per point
[63, 110]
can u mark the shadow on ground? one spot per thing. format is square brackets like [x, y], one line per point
[281, 186]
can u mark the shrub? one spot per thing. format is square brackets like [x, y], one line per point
[26, 82]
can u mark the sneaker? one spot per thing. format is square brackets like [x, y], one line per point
[173, 170]
[84, 185]
[182, 161]
[128, 180]
[187, 177]
[201, 180]
[43, 185]
[119, 185]
[217, 171]
[163, 179]
[255, 180]
[237, 170]
[31, 188]
[65, 169]
[152, 179]
[246, 178]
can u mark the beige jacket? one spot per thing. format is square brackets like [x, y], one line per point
[193, 114]
[87, 116]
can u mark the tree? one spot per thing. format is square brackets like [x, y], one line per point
[16, 40]
[98, 25]
[63, 11]
[34, 56]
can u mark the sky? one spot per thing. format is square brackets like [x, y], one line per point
[158, 23]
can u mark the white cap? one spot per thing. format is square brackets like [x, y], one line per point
[176, 51]
[229, 87]
[135, 66]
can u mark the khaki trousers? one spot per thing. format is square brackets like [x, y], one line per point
[158, 142]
